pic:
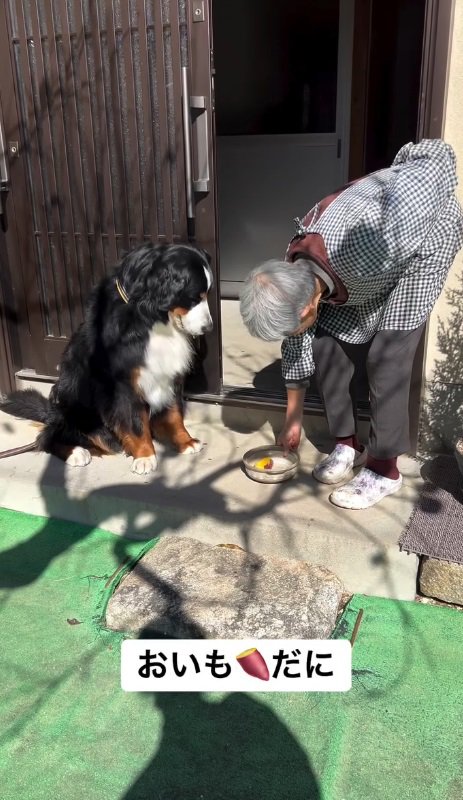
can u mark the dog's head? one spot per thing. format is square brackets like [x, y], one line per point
[169, 282]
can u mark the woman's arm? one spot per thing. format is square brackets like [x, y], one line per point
[290, 436]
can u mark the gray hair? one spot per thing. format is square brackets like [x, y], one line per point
[273, 297]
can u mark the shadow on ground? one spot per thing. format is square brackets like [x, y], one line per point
[223, 749]
[216, 747]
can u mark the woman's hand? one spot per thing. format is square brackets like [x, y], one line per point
[290, 436]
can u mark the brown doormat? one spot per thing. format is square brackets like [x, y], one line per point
[435, 527]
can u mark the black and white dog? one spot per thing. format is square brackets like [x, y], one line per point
[119, 375]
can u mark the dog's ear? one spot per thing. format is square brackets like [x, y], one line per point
[137, 263]
[144, 277]
[161, 283]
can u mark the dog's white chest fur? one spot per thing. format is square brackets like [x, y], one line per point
[168, 355]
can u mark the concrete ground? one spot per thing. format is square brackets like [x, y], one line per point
[207, 496]
[247, 361]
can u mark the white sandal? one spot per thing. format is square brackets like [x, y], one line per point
[365, 490]
[339, 464]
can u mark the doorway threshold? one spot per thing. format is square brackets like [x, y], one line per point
[255, 398]
[249, 409]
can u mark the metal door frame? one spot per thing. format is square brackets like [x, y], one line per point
[205, 223]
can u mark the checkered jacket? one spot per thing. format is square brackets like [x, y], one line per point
[391, 239]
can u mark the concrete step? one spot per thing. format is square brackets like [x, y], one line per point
[208, 496]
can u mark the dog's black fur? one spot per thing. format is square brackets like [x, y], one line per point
[94, 398]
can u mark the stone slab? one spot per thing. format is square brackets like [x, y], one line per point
[184, 588]
[441, 579]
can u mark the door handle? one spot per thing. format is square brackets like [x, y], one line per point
[198, 106]
[190, 205]
[194, 111]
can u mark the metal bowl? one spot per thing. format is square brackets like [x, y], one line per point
[285, 465]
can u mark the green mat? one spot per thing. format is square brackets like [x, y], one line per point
[68, 732]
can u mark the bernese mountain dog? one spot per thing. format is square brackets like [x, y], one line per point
[120, 377]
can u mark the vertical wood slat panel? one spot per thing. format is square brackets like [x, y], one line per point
[21, 308]
[64, 131]
[104, 226]
[173, 84]
[159, 116]
[151, 189]
[111, 89]
[129, 122]
[180, 38]
[75, 225]
[31, 152]
[87, 212]
[44, 86]
[168, 86]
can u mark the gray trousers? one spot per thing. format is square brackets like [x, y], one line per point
[388, 361]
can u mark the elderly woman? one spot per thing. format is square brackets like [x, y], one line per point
[360, 279]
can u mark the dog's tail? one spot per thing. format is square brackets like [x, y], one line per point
[27, 404]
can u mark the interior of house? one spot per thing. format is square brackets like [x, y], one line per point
[308, 95]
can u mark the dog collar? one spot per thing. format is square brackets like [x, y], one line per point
[122, 291]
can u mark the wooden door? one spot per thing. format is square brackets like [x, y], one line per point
[108, 135]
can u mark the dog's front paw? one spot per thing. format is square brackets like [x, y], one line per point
[143, 466]
[79, 457]
[193, 446]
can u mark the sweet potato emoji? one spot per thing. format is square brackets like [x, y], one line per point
[254, 664]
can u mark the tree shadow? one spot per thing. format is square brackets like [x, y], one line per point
[174, 508]
[174, 501]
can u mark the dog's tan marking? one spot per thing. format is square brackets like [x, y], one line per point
[179, 311]
[135, 381]
[137, 446]
[99, 447]
[170, 426]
